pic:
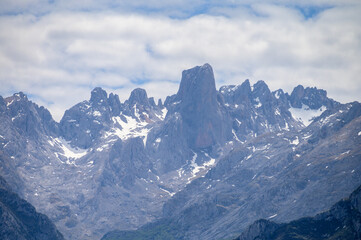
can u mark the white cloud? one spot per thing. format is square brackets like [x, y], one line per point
[60, 56]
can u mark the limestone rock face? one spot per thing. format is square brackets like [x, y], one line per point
[312, 97]
[206, 123]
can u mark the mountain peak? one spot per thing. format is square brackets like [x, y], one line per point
[207, 66]
[261, 87]
[139, 95]
[98, 95]
[246, 84]
[197, 81]
[310, 96]
[20, 95]
[200, 109]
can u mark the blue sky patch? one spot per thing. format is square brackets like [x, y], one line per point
[311, 11]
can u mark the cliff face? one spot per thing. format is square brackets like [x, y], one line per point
[19, 219]
[206, 122]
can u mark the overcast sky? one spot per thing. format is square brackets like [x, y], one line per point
[58, 51]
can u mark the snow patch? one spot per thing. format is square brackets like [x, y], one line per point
[259, 104]
[130, 128]
[306, 115]
[100, 149]
[249, 156]
[327, 119]
[235, 135]
[68, 151]
[307, 136]
[194, 165]
[170, 193]
[234, 88]
[210, 163]
[197, 168]
[164, 113]
[180, 172]
[342, 154]
[287, 128]
[295, 142]
[9, 103]
[96, 114]
[17, 116]
[51, 143]
[273, 216]
[277, 94]
[136, 111]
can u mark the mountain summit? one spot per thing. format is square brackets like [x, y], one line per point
[201, 109]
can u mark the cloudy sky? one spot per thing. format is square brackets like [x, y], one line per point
[58, 51]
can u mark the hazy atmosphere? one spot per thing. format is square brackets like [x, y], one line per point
[258, 135]
[58, 51]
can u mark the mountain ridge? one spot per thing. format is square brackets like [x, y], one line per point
[342, 221]
[109, 163]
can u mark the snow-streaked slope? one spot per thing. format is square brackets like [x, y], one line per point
[305, 114]
[68, 151]
[130, 128]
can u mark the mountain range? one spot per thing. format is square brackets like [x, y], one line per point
[204, 164]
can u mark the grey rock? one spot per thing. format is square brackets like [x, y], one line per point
[83, 123]
[312, 97]
[20, 220]
[342, 221]
[206, 122]
[271, 176]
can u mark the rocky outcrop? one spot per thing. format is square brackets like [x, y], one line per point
[261, 230]
[342, 221]
[28, 117]
[312, 97]
[256, 110]
[205, 120]
[20, 221]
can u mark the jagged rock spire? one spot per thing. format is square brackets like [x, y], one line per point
[204, 121]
